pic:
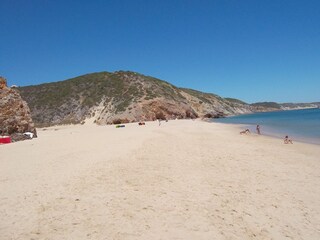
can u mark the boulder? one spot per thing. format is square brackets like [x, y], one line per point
[215, 115]
[15, 116]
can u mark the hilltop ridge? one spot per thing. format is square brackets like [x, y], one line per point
[126, 96]
[119, 97]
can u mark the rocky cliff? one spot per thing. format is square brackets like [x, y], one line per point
[15, 116]
[121, 97]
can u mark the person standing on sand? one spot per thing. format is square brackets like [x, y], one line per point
[258, 129]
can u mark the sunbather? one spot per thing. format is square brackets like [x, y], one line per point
[245, 131]
[287, 140]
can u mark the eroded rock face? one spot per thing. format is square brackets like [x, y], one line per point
[3, 83]
[15, 117]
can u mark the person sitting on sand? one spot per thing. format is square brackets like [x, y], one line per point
[245, 131]
[287, 140]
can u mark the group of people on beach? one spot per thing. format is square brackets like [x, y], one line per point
[286, 139]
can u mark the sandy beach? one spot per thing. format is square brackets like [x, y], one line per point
[182, 180]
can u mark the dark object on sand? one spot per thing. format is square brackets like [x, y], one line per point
[215, 115]
[15, 137]
[142, 123]
[120, 126]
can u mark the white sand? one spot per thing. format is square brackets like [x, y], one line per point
[183, 180]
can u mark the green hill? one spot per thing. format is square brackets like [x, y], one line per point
[120, 96]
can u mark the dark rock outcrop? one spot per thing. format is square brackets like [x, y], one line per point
[15, 117]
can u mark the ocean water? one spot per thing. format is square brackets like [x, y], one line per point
[301, 125]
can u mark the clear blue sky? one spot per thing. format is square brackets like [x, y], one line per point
[251, 50]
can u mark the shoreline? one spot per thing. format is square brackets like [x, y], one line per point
[272, 134]
[183, 179]
[300, 125]
[239, 126]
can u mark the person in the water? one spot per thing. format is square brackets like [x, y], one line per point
[258, 129]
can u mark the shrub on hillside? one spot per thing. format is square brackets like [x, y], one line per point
[160, 116]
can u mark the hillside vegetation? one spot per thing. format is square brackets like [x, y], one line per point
[125, 96]
[121, 97]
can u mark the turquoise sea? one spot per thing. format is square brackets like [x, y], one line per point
[301, 125]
